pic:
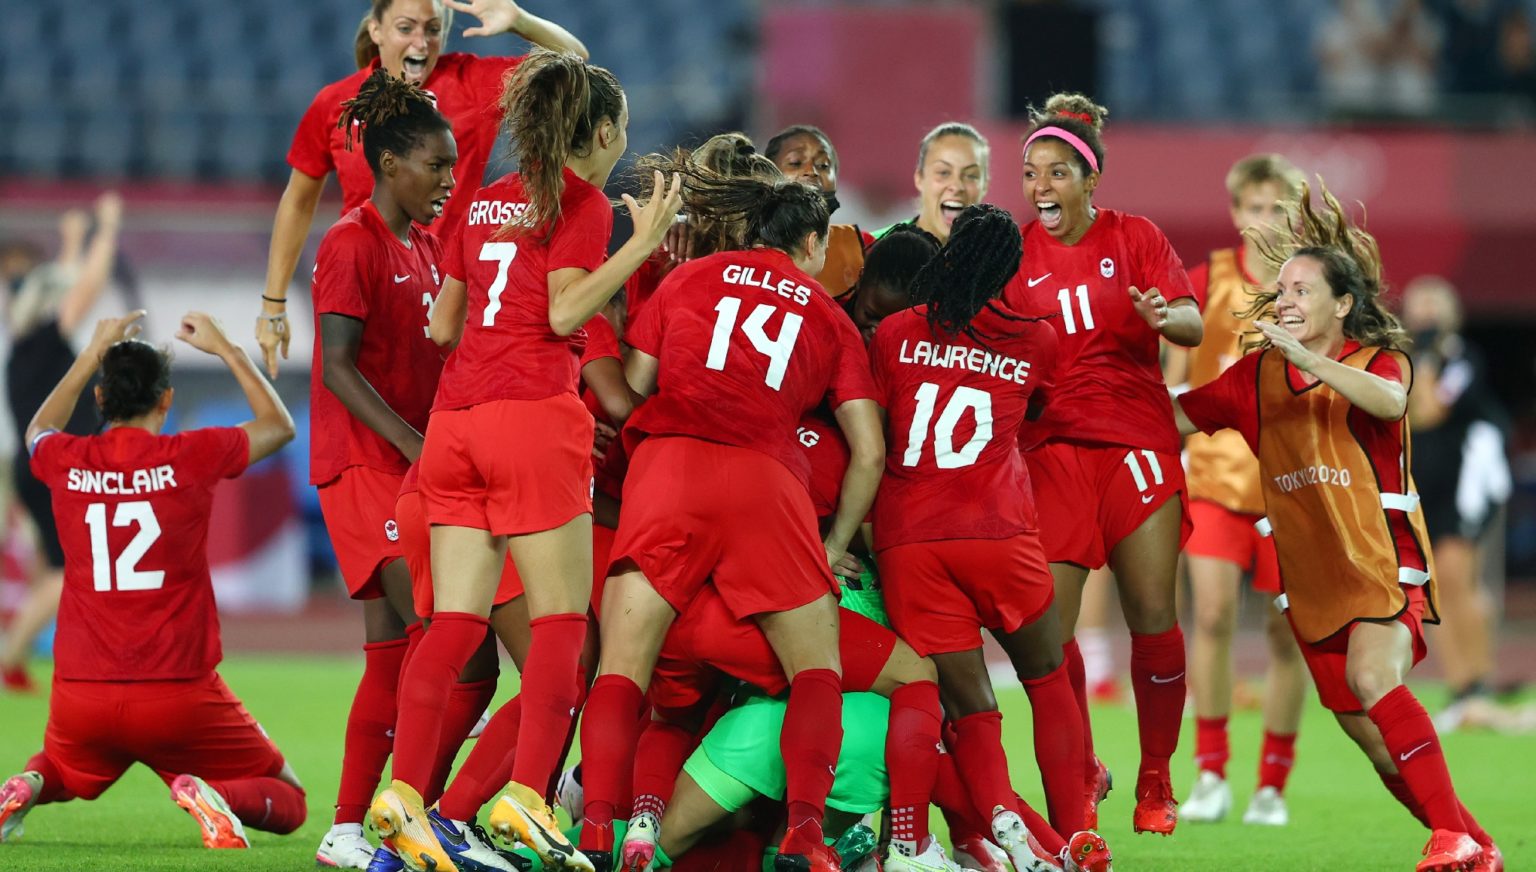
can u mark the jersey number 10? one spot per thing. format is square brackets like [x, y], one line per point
[944, 452]
[129, 575]
[776, 350]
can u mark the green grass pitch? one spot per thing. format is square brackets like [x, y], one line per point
[1341, 818]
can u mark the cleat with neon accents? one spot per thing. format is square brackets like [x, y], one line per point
[522, 815]
[1209, 800]
[803, 850]
[467, 844]
[397, 815]
[17, 796]
[1099, 786]
[221, 829]
[1021, 846]
[1492, 859]
[1087, 852]
[1449, 851]
[974, 851]
[1156, 809]
[344, 847]
[1267, 808]
[386, 860]
[640, 839]
[931, 859]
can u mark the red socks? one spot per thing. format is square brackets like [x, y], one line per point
[1073, 661]
[1276, 759]
[1058, 747]
[1212, 747]
[610, 731]
[1157, 678]
[912, 759]
[489, 765]
[466, 703]
[268, 804]
[979, 755]
[425, 689]
[369, 723]
[660, 756]
[1415, 748]
[810, 742]
[549, 696]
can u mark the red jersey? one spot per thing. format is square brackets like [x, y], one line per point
[601, 341]
[509, 351]
[1108, 385]
[468, 91]
[364, 271]
[748, 343]
[953, 469]
[827, 451]
[132, 510]
[1232, 402]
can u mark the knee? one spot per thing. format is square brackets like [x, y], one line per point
[1149, 613]
[1216, 619]
[1037, 663]
[1369, 682]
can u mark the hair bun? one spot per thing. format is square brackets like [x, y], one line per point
[1078, 107]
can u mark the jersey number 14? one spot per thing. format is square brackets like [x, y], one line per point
[776, 350]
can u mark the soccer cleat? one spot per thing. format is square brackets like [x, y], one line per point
[1449, 851]
[1209, 800]
[570, 796]
[1010, 833]
[221, 829]
[386, 860]
[17, 796]
[397, 815]
[1087, 851]
[1106, 691]
[804, 851]
[1156, 809]
[640, 839]
[344, 847]
[1099, 786]
[931, 859]
[16, 679]
[479, 727]
[1266, 808]
[467, 844]
[1492, 859]
[522, 815]
[975, 852]
[856, 845]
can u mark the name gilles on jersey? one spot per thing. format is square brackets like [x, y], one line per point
[114, 483]
[752, 277]
[925, 353]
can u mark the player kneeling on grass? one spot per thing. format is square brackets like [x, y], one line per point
[138, 640]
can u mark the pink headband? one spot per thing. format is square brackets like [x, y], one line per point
[1070, 139]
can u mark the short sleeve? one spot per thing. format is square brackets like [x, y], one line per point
[879, 369]
[215, 452]
[644, 331]
[601, 341]
[453, 250]
[487, 75]
[46, 451]
[1199, 282]
[1392, 366]
[581, 238]
[851, 377]
[310, 152]
[1228, 402]
[1160, 266]
[344, 273]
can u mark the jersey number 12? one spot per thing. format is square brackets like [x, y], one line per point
[776, 350]
[129, 575]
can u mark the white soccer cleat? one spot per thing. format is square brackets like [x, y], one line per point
[570, 796]
[975, 852]
[1267, 808]
[344, 847]
[640, 840]
[18, 795]
[932, 859]
[1209, 801]
[1010, 833]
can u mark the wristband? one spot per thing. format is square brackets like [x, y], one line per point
[283, 300]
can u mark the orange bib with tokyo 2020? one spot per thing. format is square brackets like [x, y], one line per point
[1325, 507]
[1221, 467]
[845, 260]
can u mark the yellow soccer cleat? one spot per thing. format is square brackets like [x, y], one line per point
[522, 815]
[397, 815]
[221, 828]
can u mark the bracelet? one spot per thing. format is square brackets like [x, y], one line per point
[283, 300]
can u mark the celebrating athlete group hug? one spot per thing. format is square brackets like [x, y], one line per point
[744, 492]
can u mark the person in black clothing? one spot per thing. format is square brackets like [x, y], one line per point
[47, 303]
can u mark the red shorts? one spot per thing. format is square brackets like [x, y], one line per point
[697, 511]
[97, 729]
[416, 542]
[1092, 496]
[707, 640]
[1222, 534]
[509, 466]
[359, 511]
[1326, 659]
[941, 594]
[602, 549]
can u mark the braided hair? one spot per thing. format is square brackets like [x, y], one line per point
[967, 275]
[389, 114]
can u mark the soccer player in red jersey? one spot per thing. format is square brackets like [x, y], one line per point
[955, 527]
[1225, 501]
[404, 37]
[952, 173]
[1323, 407]
[735, 348]
[138, 633]
[1104, 458]
[375, 275]
[507, 461]
[885, 284]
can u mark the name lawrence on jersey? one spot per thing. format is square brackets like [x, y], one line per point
[924, 353]
[112, 482]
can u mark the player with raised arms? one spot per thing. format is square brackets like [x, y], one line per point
[1323, 406]
[404, 38]
[1105, 455]
[733, 349]
[135, 663]
[507, 462]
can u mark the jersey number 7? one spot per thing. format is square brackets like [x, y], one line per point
[129, 575]
[776, 350]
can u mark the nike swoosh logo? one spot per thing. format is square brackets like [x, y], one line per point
[1033, 282]
[399, 279]
[1148, 498]
[389, 733]
[457, 840]
[1169, 680]
[1403, 757]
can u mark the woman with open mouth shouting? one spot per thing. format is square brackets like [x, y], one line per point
[952, 173]
[406, 38]
[1104, 457]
